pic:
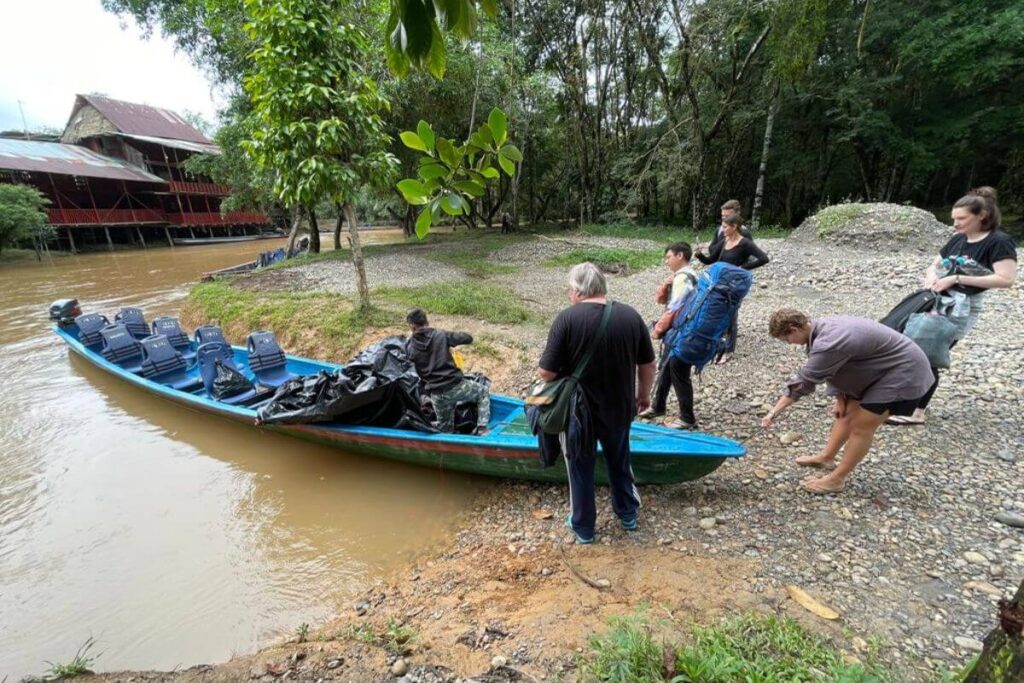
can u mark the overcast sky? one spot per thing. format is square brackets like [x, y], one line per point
[54, 49]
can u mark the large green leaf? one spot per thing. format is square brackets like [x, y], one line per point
[446, 150]
[507, 166]
[470, 187]
[412, 141]
[437, 57]
[423, 223]
[413, 191]
[419, 29]
[511, 152]
[452, 204]
[498, 124]
[429, 171]
[426, 134]
[489, 172]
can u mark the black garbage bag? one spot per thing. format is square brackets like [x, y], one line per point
[229, 382]
[387, 359]
[366, 399]
[921, 301]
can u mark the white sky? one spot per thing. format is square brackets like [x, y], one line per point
[54, 49]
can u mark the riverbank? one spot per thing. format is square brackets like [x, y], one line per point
[910, 556]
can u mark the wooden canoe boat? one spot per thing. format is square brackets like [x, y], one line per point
[659, 455]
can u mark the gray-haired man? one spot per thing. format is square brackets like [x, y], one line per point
[616, 383]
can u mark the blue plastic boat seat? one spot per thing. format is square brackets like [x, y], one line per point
[207, 356]
[266, 359]
[205, 334]
[121, 348]
[134, 320]
[162, 363]
[171, 328]
[89, 326]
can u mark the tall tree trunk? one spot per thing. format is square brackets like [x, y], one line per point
[357, 257]
[294, 232]
[755, 212]
[1002, 660]
[314, 232]
[337, 226]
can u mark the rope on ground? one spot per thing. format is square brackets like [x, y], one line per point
[576, 572]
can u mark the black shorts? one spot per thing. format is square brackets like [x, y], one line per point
[904, 408]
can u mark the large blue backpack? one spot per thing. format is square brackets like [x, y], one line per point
[704, 316]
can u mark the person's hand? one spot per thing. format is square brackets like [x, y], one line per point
[839, 409]
[766, 421]
[642, 403]
[943, 283]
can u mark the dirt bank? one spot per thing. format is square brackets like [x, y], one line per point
[912, 555]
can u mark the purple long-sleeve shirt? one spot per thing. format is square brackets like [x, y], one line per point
[863, 359]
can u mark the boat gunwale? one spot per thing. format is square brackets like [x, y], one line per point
[496, 444]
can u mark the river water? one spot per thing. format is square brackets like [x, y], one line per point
[169, 537]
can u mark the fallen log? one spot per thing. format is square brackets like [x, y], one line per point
[1002, 659]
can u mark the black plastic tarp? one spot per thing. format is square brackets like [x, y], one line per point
[379, 388]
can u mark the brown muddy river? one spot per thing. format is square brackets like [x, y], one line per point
[170, 537]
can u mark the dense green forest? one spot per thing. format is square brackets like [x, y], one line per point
[659, 110]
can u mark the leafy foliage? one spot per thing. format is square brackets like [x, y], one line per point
[414, 32]
[451, 177]
[23, 216]
[316, 112]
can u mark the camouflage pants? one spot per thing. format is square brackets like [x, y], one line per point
[465, 391]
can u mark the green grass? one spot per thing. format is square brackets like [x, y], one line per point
[748, 649]
[832, 217]
[395, 638]
[636, 260]
[471, 299]
[78, 666]
[330, 317]
[468, 251]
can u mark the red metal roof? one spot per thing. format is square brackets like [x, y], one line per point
[61, 159]
[141, 119]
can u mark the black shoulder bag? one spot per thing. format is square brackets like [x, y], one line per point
[552, 399]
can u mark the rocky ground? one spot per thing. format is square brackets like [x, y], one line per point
[913, 555]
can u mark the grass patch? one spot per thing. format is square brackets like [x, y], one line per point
[636, 260]
[469, 251]
[78, 666]
[832, 217]
[470, 299]
[749, 649]
[291, 315]
[395, 638]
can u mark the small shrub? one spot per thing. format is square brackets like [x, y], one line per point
[832, 217]
[78, 666]
[302, 633]
[626, 653]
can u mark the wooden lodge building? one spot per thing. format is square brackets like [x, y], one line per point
[117, 171]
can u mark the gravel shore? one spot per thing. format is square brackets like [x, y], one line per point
[926, 537]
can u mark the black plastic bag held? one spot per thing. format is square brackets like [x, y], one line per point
[229, 382]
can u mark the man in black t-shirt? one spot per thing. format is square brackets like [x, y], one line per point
[616, 383]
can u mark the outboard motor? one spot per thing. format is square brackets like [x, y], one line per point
[64, 312]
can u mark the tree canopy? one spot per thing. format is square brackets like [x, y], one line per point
[659, 110]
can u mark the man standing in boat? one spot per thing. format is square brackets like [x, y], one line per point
[429, 350]
[616, 383]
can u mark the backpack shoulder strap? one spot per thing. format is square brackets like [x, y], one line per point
[578, 372]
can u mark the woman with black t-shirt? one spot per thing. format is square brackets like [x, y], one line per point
[736, 250]
[978, 242]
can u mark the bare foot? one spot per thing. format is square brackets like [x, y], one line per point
[828, 462]
[827, 484]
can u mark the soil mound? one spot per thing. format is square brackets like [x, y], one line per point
[886, 226]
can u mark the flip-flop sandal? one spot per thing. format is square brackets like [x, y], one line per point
[820, 491]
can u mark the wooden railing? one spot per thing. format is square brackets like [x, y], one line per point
[104, 216]
[232, 218]
[186, 187]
